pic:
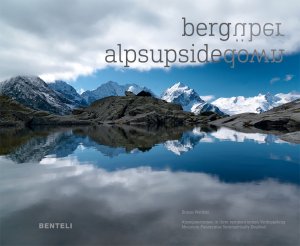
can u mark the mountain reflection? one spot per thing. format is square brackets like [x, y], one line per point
[137, 206]
[216, 152]
[33, 145]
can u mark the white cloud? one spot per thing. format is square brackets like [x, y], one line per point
[208, 98]
[80, 91]
[288, 77]
[147, 201]
[63, 39]
[275, 79]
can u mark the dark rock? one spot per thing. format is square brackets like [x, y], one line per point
[15, 114]
[207, 113]
[138, 111]
[129, 93]
[130, 110]
[285, 118]
[144, 94]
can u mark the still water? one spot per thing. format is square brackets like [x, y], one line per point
[134, 186]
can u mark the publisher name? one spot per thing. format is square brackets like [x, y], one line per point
[55, 226]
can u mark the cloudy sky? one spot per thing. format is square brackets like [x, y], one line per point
[67, 40]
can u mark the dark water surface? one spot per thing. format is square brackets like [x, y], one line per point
[133, 186]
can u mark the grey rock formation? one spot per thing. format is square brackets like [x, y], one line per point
[138, 110]
[129, 94]
[14, 114]
[144, 94]
[285, 118]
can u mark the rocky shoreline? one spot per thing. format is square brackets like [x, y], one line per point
[283, 121]
[126, 110]
[146, 111]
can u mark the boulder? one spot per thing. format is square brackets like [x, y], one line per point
[144, 94]
[129, 93]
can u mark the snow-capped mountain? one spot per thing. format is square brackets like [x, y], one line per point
[112, 89]
[286, 98]
[34, 93]
[256, 104]
[68, 92]
[188, 99]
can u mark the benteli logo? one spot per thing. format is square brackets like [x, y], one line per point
[55, 226]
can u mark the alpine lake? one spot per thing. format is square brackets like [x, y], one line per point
[112, 185]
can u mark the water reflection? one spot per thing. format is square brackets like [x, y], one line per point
[187, 141]
[231, 156]
[231, 135]
[33, 145]
[137, 206]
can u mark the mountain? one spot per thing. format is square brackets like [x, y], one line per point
[189, 99]
[68, 92]
[111, 88]
[34, 93]
[257, 104]
[286, 98]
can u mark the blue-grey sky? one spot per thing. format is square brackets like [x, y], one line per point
[216, 79]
